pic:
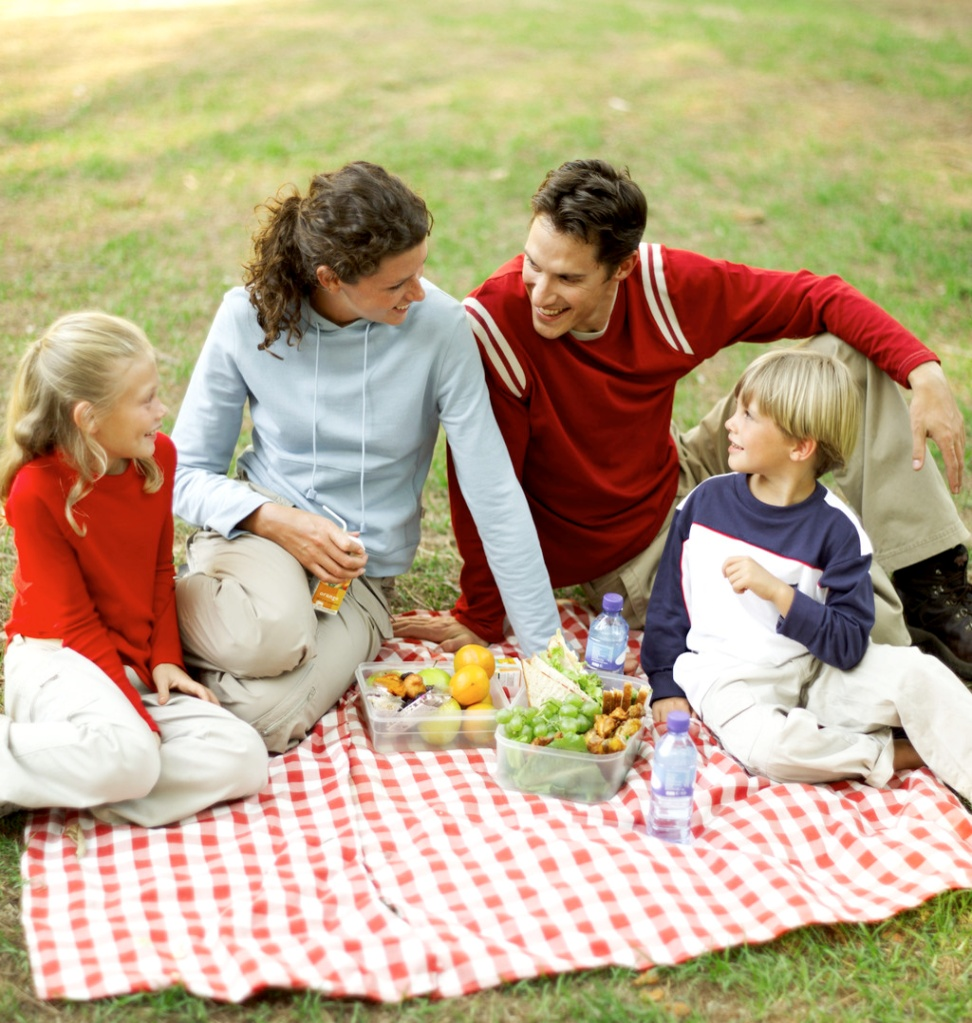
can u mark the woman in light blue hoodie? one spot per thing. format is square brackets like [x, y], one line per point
[348, 361]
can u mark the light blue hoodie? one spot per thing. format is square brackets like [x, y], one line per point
[349, 419]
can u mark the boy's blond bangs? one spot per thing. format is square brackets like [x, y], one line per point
[809, 396]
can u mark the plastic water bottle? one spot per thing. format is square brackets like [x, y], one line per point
[673, 782]
[607, 641]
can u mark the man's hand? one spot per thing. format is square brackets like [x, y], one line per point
[935, 414]
[660, 709]
[442, 629]
[319, 544]
[170, 676]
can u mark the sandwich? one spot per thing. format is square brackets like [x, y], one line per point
[557, 673]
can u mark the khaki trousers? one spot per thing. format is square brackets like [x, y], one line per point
[808, 722]
[71, 738]
[908, 515]
[250, 630]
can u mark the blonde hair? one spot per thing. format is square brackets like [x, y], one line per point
[809, 396]
[77, 360]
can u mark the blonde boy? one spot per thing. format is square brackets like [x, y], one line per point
[760, 616]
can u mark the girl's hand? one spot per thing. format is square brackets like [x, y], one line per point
[319, 544]
[170, 676]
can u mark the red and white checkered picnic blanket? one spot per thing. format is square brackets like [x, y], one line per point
[385, 877]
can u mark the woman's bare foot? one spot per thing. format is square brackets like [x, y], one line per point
[442, 629]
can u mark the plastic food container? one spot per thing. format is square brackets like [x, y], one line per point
[582, 777]
[418, 728]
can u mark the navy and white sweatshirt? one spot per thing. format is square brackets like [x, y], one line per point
[817, 546]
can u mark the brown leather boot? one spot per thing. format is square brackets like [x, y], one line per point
[937, 603]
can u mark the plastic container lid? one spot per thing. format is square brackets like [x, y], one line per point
[678, 721]
[612, 603]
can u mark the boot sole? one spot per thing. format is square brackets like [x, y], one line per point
[931, 644]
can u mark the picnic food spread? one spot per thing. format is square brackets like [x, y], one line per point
[578, 724]
[558, 672]
[576, 733]
[569, 750]
[432, 707]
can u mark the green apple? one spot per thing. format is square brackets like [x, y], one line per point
[441, 726]
[436, 677]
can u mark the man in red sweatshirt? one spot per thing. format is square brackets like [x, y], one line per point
[584, 337]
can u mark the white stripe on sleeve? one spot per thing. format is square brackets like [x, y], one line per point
[652, 268]
[493, 342]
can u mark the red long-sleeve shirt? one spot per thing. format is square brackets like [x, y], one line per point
[110, 594]
[587, 422]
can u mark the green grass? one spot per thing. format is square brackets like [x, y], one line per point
[135, 142]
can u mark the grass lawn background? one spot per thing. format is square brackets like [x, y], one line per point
[136, 140]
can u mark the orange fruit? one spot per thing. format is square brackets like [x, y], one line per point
[478, 723]
[473, 653]
[470, 684]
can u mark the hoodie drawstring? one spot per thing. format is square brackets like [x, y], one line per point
[311, 493]
[364, 399]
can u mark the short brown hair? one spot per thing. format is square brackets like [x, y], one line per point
[596, 203]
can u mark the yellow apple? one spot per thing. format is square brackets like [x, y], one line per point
[436, 677]
[441, 726]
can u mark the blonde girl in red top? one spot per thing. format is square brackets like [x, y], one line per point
[99, 710]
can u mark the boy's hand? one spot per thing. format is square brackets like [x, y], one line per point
[660, 709]
[745, 574]
[170, 676]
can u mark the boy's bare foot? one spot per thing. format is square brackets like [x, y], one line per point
[905, 757]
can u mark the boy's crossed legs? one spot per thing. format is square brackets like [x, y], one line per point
[809, 722]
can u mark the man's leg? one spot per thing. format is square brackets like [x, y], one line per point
[910, 516]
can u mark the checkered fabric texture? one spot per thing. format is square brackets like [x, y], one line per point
[389, 877]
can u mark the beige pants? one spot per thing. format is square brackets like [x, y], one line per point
[809, 722]
[908, 515]
[71, 738]
[249, 627]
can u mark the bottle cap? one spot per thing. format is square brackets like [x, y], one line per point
[612, 603]
[678, 721]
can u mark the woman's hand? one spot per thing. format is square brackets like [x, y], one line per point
[319, 544]
[170, 676]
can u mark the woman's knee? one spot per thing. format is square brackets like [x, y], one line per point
[238, 630]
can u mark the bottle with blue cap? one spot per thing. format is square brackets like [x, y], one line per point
[607, 641]
[673, 770]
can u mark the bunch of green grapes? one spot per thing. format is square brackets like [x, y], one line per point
[569, 718]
